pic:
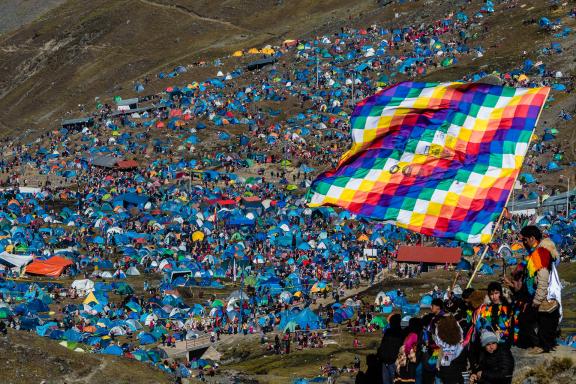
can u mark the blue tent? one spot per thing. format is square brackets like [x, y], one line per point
[112, 350]
[72, 335]
[308, 318]
[463, 265]
[426, 301]
[343, 314]
[146, 338]
[486, 270]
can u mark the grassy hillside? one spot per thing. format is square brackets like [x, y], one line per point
[15, 13]
[27, 358]
[82, 49]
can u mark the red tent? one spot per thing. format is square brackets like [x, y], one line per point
[225, 202]
[127, 164]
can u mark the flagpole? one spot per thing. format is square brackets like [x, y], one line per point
[477, 268]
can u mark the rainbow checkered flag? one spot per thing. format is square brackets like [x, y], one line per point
[436, 158]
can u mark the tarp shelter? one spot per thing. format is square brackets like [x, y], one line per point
[432, 255]
[12, 261]
[78, 124]
[260, 64]
[52, 267]
[127, 104]
[104, 161]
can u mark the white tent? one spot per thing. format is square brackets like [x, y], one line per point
[83, 287]
[238, 295]
[106, 275]
[381, 298]
[133, 271]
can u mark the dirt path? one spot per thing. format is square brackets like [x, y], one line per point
[185, 11]
[88, 378]
[348, 293]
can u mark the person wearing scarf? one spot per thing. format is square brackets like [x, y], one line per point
[538, 311]
[495, 316]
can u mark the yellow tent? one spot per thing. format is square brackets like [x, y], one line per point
[363, 237]
[267, 51]
[91, 299]
[516, 247]
[253, 51]
[237, 54]
[315, 288]
[198, 236]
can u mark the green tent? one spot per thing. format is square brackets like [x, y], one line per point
[447, 62]
[217, 303]
[22, 248]
[4, 313]
[124, 289]
[71, 345]
[237, 237]
[380, 321]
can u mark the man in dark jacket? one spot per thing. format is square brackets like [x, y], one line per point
[496, 363]
[389, 348]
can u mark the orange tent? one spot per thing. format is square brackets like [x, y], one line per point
[52, 267]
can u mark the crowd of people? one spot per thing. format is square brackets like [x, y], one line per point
[468, 338]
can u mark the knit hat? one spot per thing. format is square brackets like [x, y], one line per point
[488, 337]
[410, 342]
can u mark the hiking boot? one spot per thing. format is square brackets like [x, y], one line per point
[535, 351]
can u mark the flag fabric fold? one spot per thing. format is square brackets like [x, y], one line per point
[435, 158]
